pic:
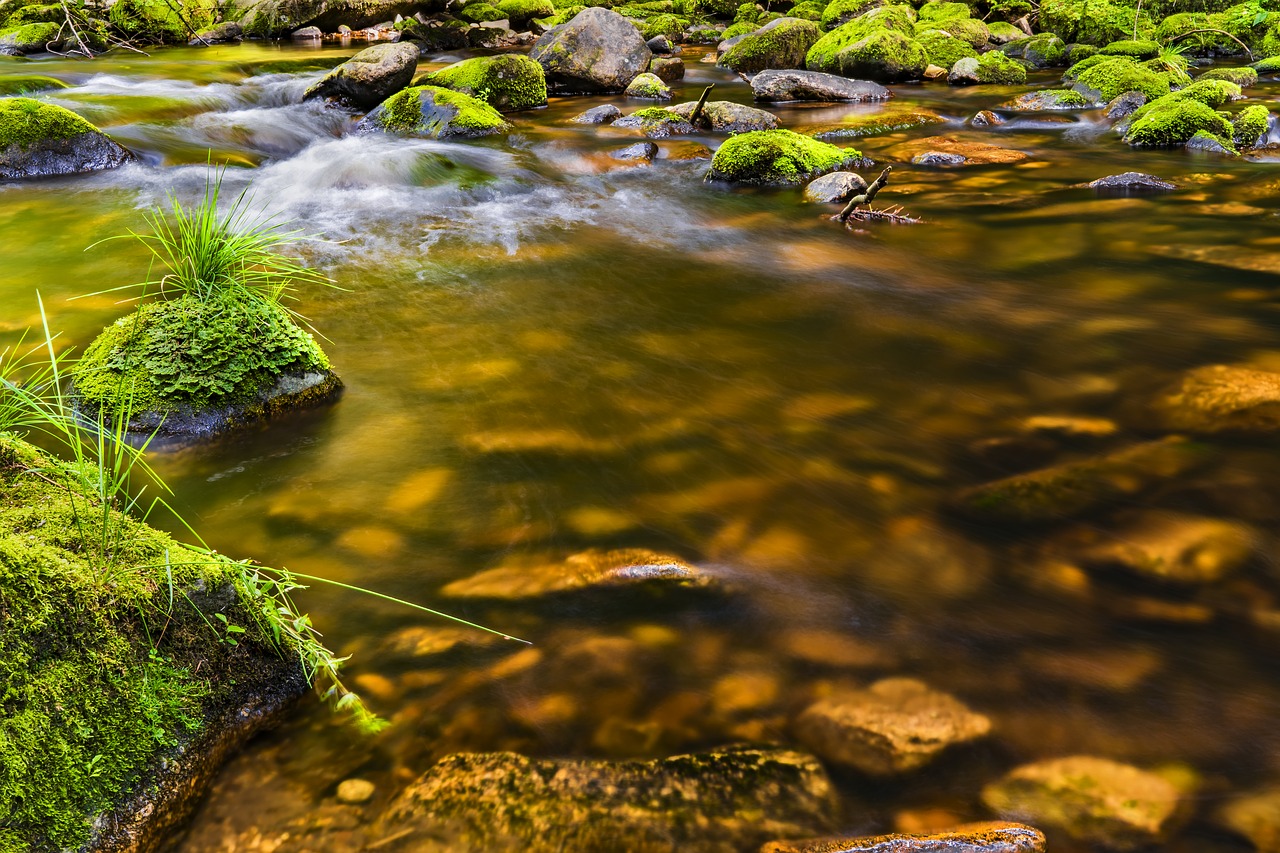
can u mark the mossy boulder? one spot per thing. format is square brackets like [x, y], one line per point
[972, 32]
[884, 56]
[778, 157]
[840, 12]
[1139, 49]
[368, 78]
[1250, 125]
[741, 28]
[166, 23]
[521, 12]
[30, 38]
[281, 17]
[783, 43]
[435, 113]
[943, 49]
[1106, 78]
[1173, 119]
[1244, 76]
[480, 13]
[649, 86]
[1268, 66]
[656, 123]
[1003, 32]
[671, 26]
[728, 117]
[1039, 51]
[189, 367]
[120, 701]
[995, 67]
[825, 53]
[1095, 22]
[507, 82]
[40, 140]
[28, 84]
[597, 51]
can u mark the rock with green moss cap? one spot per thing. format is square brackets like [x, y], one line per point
[648, 86]
[113, 729]
[1094, 22]
[667, 26]
[1095, 801]
[728, 117]
[990, 837]
[28, 84]
[507, 82]
[825, 53]
[281, 17]
[40, 140]
[1250, 125]
[521, 12]
[368, 78]
[778, 157]
[1268, 66]
[1109, 77]
[943, 49]
[995, 67]
[1039, 51]
[970, 31]
[31, 38]
[837, 13]
[1244, 76]
[481, 13]
[778, 44]
[597, 51]
[668, 69]
[188, 368]
[656, 123]
[1048, 99]
[884, 56]
[1002, 32]
[147, 21]
[1139, 49]
[1173, 119]
[434, 113]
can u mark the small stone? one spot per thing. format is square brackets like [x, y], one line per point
[355, 792]
[1219, 399]
[964, 72]
[986, 118]
[939, 158]
[668, 69]
[1256, 817]
[1125, 105]
[641, 151]
[837, 187]
[602, 114]
[934, 72]
[661, 44]
[991, 837]
[307, 34]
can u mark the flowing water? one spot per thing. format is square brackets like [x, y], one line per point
[547, 350]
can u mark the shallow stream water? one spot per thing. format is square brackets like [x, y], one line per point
[547, 350]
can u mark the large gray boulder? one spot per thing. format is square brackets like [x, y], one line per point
[368, 78]
[597, 51]
[39, 140]
[777, 85]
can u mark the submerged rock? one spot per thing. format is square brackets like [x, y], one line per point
[974, 153]
[895, 726]
[435, 113]
[656, 123]
[716, 802]
[1131, 182]
[507, 82]
[39, 140]
[369, 77]
[589, 571]
[835, 187]
[597, 51]
[728, 117]
[1255, 817]
[1218, 399]
[1048, 99]
[939, 158]
[777, 157]
[645, 151]
[794, 85]
[1093, 800]
[989, 837]
[1171, 547]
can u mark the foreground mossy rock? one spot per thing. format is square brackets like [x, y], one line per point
[370, 77]
[597, 51]
[508, 82]
[987, 837]
[39, 140]
[1103, 78]
[895, 726]
[778, 157]
[119, 701]
[434, 113]
[778, 44]
[715, 802]
[1220, 399]
[728, 117]
[1175, 118]
[1093, 800]
[188, 367]
[793, 85]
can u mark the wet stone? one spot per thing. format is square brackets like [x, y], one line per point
[668, 69]
[974, 153]
[661, 45]
[939, 158]
[355, 791]
[792, 85]
[1170, 547]
[987, 837]
[895, 726]
[1125, 105]
[986, 118]
[1256, 817]
[1093, 800]
[1131, 182]
[602, 114]
[1222, 399]
[641, 151]
[728, 117]
[835, 187]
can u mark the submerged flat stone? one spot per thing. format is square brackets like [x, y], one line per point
[592, 570]
[1093, 800]
[895, 726]
[986, 837]
[974, 153]
[715, 802]
[1172, 547]
[1131, 182]
[1255, 817]
[1222, 399]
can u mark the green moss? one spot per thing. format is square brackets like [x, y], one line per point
[825, 53]
[995, 67]
[840, 12]
[1271, 42]
[747, 13]
[478, 13]
[49, 13]
[777, 157]
[888, 120]
[1095, 22]
[165, 21]
[939, 10]
[808, 11]
[24, 122]
[1042, 51]
[507, 82]
[1243, 77]
[1179, 24]
[1105, 78]
[782, 44]
[1139, 49]
[648, 85]
[31, 35]
[975, 33]
[28, 84]
[1005, 31]
[738, 29]
[1172, 121]
[402, 113]
[1270, 65]
[1250, 125]
[1249, 22]
[670, 26]
[944, 49]
[520, 12]
[188, 354]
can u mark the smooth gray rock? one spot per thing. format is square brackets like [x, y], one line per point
[835, 187]
[776, 86]
[1131, 182]
[728, 117]
[645, 151]
[964, 72]
[368, 78]
[939, 158]
[602, 114]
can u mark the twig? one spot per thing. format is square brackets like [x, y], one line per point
[185, 22]
[696, 115]
[1248, 53]
[866, 196]
[79, 39]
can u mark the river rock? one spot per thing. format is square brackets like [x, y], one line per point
[368, 78]
[307, 34]
[1048, 99]
[1075, 488]
[656, 123]
[895, 726]
[434, 113]
[597, 51]
[986, 118]
[728, 117]
[31, 38]
[795, 85]
[1170, 547]
[939, 158]
[644, 151]
[660, 45]
[717, 802]
[602, 114]
[1093, 800]
[617, 572]
[777, 157]
[781, 43]
[39, 140]
[648, 86]
[1222, 399]
[974, 153]
[1256, 817]
[229, 31]
[668, 69]
[1124, 105]
[964, 72]
[279, 17]
[507, 82]
[835, 187]
[988, 837]
[1131, 182]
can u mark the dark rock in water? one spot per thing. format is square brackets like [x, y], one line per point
[704, 34]
[1255, 817]
[728, 117]
[991, 837]
[668, 69]
[1095, 801]
[1075, 488]
[895, 726]
[986, 118]
[1125, 105]
[645, 151]
[1131, 182]
[40, 140]
[602, 114]
[1219, 399]
[939, 158]
[221, 34]
[781, 43]
[835, 187]
[793, 85]
[434, 113]
[597, 51]
[656, 123]
[368, 78]
[1204, 141]
[716, 802]
[661, 45]
[307, 34]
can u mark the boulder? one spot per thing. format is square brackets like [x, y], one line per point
[602, 114]
[230, 31]
[781, 43]
[837, 187]
[895, 726]
[1113, 76]
[620, 572]
[777, 157]
[1220, 399]
[1048, 99]
[1095, 801]
[1124, 105]
[996, 68]
[885, 56]
[728, 117]
[1039, 51]
[648, 86]
[597, 51]
[964, 72]
[660, 46]
[715, 802]
[990, 837]
[507, 82]
[795, 85]
[668, 69]
[435, 113]
[278, 17]
[656, 123]
[368, 78]
[39, 140]
[644, 151]
[1131, 182]
[31, 38]
[1172, 548]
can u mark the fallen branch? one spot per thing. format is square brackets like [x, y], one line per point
[696, 116]
[892, 215]
[1245, 47]
[866, 196]
[84, 48]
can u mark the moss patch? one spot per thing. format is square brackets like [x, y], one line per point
[1250, 125]
[995, 67]
[24, 122]
[777, 157]
[160, 21]
[404, 113]
[1105, 78]
[1096, 22]
[944, 49]
[781, 44]
[1172, 122]
[506, 82]
[29, 84]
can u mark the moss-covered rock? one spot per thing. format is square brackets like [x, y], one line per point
[369, 77]
[40, 140]
[656, 123]
[1268, 66]
[825, 53]
[1250, 125]
[479, 13]
[810, 10]
[507, 82]
[598, 51]
[782, 44]
[649, 86]
[728, 117]
[995, 67]
[1140, 49]
[1049, 99]
[167, 23]
[777, 157]
[1039, 51]
[968, 30]
[521, 12]
[435, 113]
[1244, 76]
[943, 49]
[28, 84]
[1108, 77]
[1003, 32]
[840, 12]
[885, 56]
[1095, 22]
[31, 38]
[671, 26]
[741, 28]
[1174, 118]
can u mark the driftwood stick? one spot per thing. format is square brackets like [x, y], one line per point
[696, 115]
[1248, 52]
[866, 197]
[84, 48]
